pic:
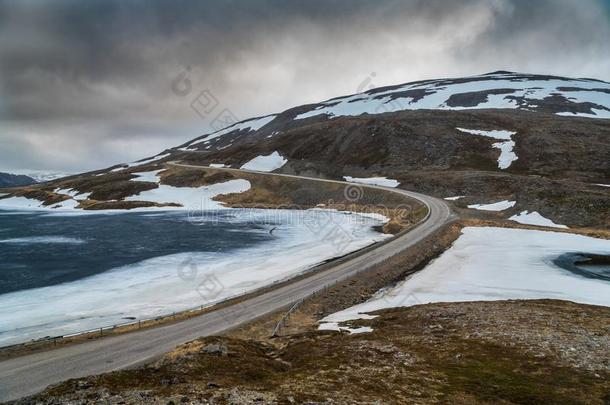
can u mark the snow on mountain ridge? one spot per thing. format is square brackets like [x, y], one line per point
[585, 97]
[251, 124]
[495, 90]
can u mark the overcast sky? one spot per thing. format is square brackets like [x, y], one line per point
[87, 84]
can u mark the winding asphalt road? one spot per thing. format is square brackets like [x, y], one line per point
[29, 374]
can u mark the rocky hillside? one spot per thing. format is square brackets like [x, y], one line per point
[460, 353]
[540, 141]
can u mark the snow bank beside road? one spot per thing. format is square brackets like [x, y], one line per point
[497, 206]
[488, 264]
[376, 181]
[199, 198]
[266, 163]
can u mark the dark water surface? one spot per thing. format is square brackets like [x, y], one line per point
[587, 265]
[39, 249]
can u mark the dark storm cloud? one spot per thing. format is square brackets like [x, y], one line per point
[89, 83]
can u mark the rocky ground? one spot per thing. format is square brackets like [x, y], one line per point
[505, 352]
[560, 159]
[521, 352]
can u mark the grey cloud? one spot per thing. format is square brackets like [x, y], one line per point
[97, 75]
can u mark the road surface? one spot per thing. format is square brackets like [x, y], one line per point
[29, 374]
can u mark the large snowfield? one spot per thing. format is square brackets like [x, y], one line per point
[487, 264]
[435, 94]
[182, 281]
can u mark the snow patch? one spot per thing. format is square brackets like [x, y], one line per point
[147, 161]
[136, 164]
[496, 134]
[507, 156]
[534, 218]
[150, 177]
[376, 181]
[192, 198]
[597, 113]
[31, 204]
[497, 206]
[266, 163]
[253, 124]
[20, 203]
[74, 194]
[488, 264]
[335, 327]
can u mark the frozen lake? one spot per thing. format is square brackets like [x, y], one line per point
[62, 273]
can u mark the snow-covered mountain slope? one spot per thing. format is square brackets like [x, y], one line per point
[540, 141]
[497, 90]
[583, 97]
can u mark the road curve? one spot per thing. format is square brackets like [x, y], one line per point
[29, 374]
